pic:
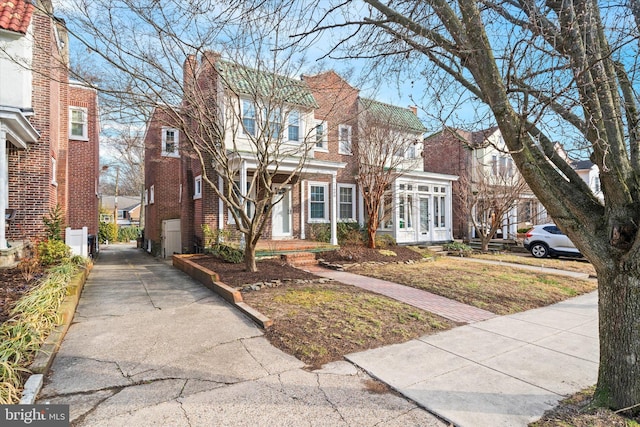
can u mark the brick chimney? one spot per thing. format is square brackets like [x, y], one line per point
[413, 109]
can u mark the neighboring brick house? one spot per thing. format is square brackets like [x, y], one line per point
[322, 111]
[461, 152]
[48, 127]
[417, 207]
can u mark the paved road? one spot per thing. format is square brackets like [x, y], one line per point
[149, 346]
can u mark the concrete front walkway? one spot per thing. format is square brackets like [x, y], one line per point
[150, 346]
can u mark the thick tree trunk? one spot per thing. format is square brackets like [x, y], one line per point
[372, 237]
[619, 311]
[250, 256]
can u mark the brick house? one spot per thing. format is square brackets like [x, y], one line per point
[322, 112]
[48, 127]
[462, 152]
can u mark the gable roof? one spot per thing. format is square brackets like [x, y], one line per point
[480, 138]
[402, 118]
[247, 81]
[582, 164]
[15, 15]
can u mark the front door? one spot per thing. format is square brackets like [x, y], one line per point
[425, 229]
[281, 214]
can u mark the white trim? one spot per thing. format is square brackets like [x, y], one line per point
[302, 213]
[54, 171]
[325, 218]
[349, 141]
[334, 211]
[152, 194]
[176, 142]
[84, 122]
[146, 196]
[325, 140]
[300, 128]
[4, 186]
[353, 202]
[197, 187]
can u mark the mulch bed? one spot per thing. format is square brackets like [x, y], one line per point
[268, 269]
[357, 254]
[12, 286]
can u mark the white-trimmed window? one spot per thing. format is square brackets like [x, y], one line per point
[54, 171]
[411, 151]
[197, 187]
[170, 140]
[146, 196]
[386, 211]
[318, 202]
[405, 211]
[346, 202]
[321, 135]
[293, 128]
[78, 123]
[344, 139]
[248, 117]
[152, 194]
[250, 206]
[275, 122]
[439, 209]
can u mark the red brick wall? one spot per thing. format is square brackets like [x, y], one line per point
[164, 174]
[338, 103]
[83, 164]
[31, 191]
[446, 153]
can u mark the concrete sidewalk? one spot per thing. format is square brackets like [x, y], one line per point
[150, 346]
[504, 371]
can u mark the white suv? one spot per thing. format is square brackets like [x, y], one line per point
[547, 240]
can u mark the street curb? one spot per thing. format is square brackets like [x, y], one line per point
[211, 280]
[47, 352]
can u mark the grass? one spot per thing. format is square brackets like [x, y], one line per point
[577, 265]
[322, 322]
[32, 319]
[499, 289]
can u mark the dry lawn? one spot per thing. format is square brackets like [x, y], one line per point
[320, 323]
[579, 265]
[499, 289]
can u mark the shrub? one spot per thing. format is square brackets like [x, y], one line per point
[28, 267]
[211, 237]
[349, 233]
[227, 253]
[461, 248]
[384, 241]
[32, 319]
[320, 232]
[126, 234]
[523, 230]
[107, 231]
[53, 223]
[53, 252]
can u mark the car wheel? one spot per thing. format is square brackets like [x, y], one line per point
[539, 250]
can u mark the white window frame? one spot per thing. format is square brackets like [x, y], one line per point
[345, 147]
[146, 196]
[323, 140]
[353, 202]
[152, 194]
[176, 142]
[85, 124]
[243, 105]
[54, 171]
[197, 187]
[251, 208]
[325, 217]
[298, 124]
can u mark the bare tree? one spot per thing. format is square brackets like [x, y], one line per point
[488, 195]
[386, 149]
[127, 154]
[137, 53]
[544, 70]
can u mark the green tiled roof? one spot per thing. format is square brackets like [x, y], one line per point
[401, 118]
[247, 81]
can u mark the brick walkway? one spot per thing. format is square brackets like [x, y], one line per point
[424, 300]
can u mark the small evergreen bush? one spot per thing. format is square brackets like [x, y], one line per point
[51, 252]
[227, 253]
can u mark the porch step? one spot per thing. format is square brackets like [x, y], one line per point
[299, 259]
